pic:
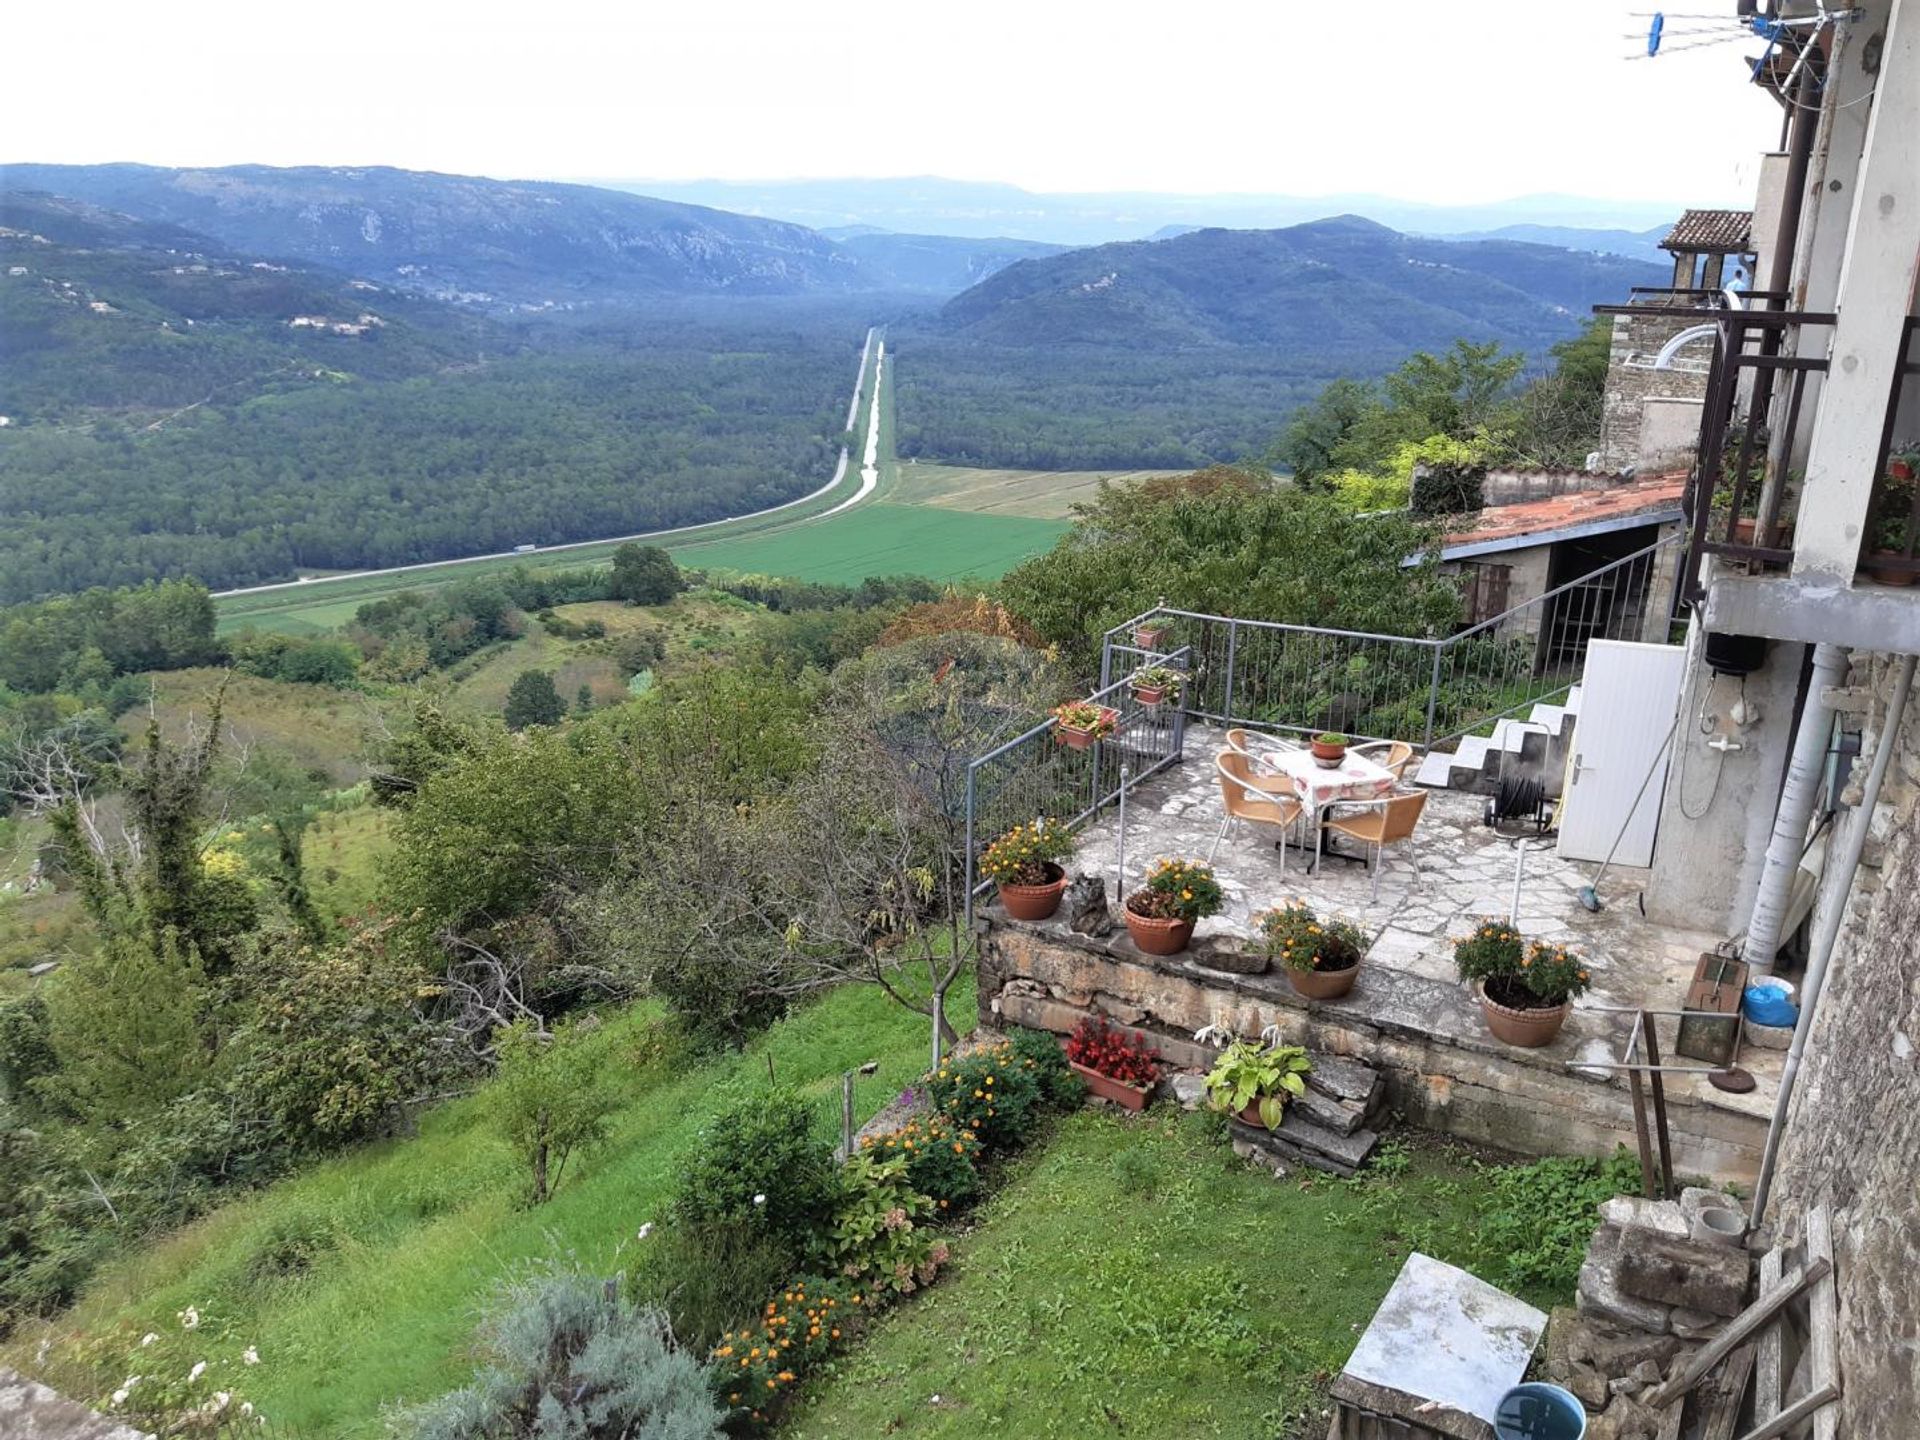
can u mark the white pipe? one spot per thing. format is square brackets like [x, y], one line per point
[1797, 799]
[1828, 929]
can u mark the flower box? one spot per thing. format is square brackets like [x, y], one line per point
[1127, 1097]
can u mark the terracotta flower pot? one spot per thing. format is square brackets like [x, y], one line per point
[1035, 902]
[1883, 574]
[1083, 739]
[1329, 756]
[1150, 694]
[1157, 936]
[1127, 1097]
[1148, 637]
[1528, 1029]
[1323, 984]
[1251, 1116]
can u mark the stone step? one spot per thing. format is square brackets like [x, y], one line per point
[1301, 1141]
[1339, 1078]
[1342, 1117]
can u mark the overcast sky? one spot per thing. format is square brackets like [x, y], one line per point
[1460, 102]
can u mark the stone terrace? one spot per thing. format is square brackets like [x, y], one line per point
[1408, 1014]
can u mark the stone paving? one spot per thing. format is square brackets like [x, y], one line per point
[1454, 871]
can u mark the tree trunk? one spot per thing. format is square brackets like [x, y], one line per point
[944, 1035]
[540, 1164]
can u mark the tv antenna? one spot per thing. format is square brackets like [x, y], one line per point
[1668, 34]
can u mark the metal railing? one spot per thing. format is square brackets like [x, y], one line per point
[1036, 773]
[1893, 526]
[1306, 679]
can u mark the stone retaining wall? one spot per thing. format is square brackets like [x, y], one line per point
[1443, 1070]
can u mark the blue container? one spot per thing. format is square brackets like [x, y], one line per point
[1537, 1411]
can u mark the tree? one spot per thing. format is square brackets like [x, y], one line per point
[644, 575]
[533, 700]
[583, 699]
[1308, 447]
[549, 1101]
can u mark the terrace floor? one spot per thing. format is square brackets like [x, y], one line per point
[1454, 871]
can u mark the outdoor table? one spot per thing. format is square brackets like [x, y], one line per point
[1320, 788]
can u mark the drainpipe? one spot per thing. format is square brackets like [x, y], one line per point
[1797, 798]
[1829, 928]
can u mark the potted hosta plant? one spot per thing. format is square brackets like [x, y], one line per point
[1526, 990]
[1116, 1065]
[1889, 527]
[1329, 750]
[1252, 1082]
[1178, 894]
[1079, 723]
[1321, 958]
[1025, 864]
[1157, 684]
[1149, 634]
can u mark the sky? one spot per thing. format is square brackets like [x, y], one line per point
[1444, 103]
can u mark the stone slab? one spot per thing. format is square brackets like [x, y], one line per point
[1600, 1297]
[1686, 1273]
[1343, 1079]
[1663, 1217]
[1441, 1350]
[1342, 1117]
[30, 1411]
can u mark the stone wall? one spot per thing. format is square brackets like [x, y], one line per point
[1442, 1069]
[1638, 337]
[1853, 1135]
[1502, 486]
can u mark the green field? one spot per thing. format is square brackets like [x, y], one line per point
[940, 521]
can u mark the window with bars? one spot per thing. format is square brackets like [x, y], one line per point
[1484, 590]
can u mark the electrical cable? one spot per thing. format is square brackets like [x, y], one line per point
[1720, 756]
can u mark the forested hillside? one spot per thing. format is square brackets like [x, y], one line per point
[1197, 347]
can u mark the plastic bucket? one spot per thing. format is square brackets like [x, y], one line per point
[1538, 1411]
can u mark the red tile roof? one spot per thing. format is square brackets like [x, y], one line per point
[1711, 232]
[1538, 521]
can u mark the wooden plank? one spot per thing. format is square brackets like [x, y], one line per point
[1670, 1422]
[1823, 1321]
[1815, 1403]
[1770, 1359]
[1637, 1090]
[1738, 1329]
[1720, 1407]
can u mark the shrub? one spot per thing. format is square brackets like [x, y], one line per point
[1026, 853]
[757, 1366]
[1493, 949]
[878, 1236]
[292, 1246]
[1178, 890]
[1039, 1053]
[1517, 974]
[942, 1158]
[763, 1160]
[1297, 938]
[1554, 973]
[989, 1092]
[1117, 1054]
[1540, 1216]
[549, 1102]
[566, 1361]
[1247, 1073]
[708, 1277]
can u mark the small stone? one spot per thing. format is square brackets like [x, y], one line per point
[1624, 1385]
[1589, 1387]
[1189, 1090]
[1600, 1296]
[1663, 1217]
[1695, 1324]
[1617, 1352]
[1647, 1372]
[1085, 902]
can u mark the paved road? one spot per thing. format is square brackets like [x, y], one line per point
[869, 476]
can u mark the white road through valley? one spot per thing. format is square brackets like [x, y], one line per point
[869, 478]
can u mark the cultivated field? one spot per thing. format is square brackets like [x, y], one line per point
[1040, 494]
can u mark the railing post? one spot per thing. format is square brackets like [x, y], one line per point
[973, 767]
[1433, 692]
[1226, 699]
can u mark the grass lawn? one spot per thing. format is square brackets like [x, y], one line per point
[408, 1238]
[1134, 1278]
[317, 725]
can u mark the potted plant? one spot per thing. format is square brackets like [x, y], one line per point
[1890, 527]
[1149, 633]
[1900, 467]
[1154, 685]
[1321, 958]
[1252, 1082]
[1329, 750]
[1116, 1065]
[1025, 864]
[1079, 723]
[1161, 914]
[1526, 990]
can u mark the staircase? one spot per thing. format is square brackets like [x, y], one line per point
[1534, 747]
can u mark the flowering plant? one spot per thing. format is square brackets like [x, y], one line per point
[1257, 1074]
[1026, 854]
[1118, 1055]
[756, 1366]
[1494, 949]
[1300, 940]
[1096, 720]
[1517, 974]
[1163, 678]
[1554, 973]
[941, 1156]
[989, 1091]
[878, 1235]
[1178, 890]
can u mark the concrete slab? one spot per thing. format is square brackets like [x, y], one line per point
[1441, 1350]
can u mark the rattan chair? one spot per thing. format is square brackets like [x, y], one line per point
[1380, 823]
[1392, 756]
[1242, 799]
[1250, 744]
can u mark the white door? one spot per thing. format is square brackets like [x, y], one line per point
[1629, 693]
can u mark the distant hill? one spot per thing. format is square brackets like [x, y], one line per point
[931, 205]
[102, 311]
[1344, 286]
[945, 264]
[512, 243]
[1634, 244]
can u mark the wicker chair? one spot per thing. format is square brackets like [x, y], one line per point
[1380, 823]
[1242, 799]
[1391, 755]
[1251, 745]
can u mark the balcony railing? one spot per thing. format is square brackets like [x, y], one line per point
[1888, 553]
